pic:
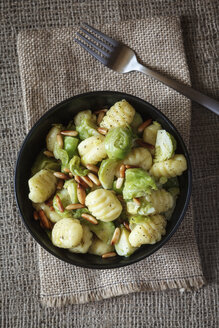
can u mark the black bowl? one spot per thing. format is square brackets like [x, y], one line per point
[35, 141]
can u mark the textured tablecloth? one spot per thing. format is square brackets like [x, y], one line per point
[19, 286]
[54, 68]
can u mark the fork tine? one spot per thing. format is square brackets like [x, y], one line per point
[96, 39]
[93, 45]
[93, 53]
[104, 36]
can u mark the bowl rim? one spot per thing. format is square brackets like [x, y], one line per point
[165, 238]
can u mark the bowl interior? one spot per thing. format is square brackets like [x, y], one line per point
[35, 141]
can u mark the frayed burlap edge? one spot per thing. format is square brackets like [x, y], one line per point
[183, 284]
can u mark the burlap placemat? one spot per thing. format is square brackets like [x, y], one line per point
[53, 68]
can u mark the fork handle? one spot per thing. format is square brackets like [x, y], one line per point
[187, 91]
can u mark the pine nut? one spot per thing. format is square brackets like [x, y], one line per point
[119, 183]
[115, 237]
[122, 171]
[92, 168]
[59, 204]
[36, 215]
[137, 201]
[87, 181]
[74, 207]
[44, 220]
[89, 218]
[66, 170]
[144, 125]
[126, 225]
[131, 167]
[60, 140]
[100, 117]
[60, 184]
[70, 133]
[81, 194]
[61, 175]
[107, 255]
[141, 143]
[80, 181]
[101, 110]
[48, 153]
[94, 178]
[102, 131]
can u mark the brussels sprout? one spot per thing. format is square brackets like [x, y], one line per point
[77, 214]
[99, 248]
[103, 230]
[71, 187]
[61, 154]
[66, 200]
[137, 219]
[137, 120]
[107, 171]
[44, 162]
[123, 247]
[132, 207]
[145, 208]
[171, 183]
[165, 146]
[70, 145]
[84, 114]
[118, 142]
[87, 129]
[85, 125]
[175, 191]
[163, 180]
[70, 126]
[138, 183]
[75, 168]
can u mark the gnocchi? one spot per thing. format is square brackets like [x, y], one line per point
[140, 157]
[170, 168]
[104, 205]
[148, 232]
[120, 114]
[42, 185]
[92, 150]
[67, 233]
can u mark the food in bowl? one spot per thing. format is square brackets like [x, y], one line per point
[107, 182]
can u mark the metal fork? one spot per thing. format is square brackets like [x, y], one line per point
[121, 58]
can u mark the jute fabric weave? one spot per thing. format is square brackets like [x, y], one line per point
[53, 68]
[20, 284]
